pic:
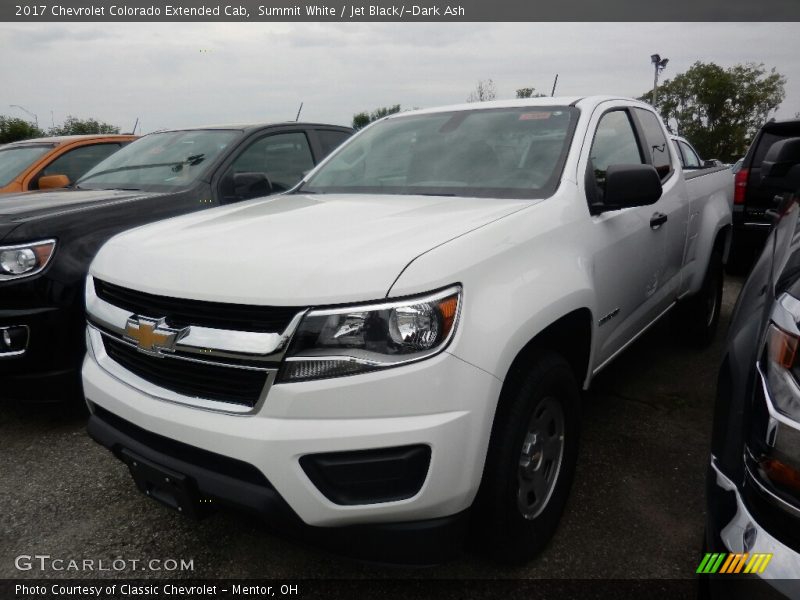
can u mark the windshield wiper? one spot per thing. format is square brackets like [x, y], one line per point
[128, 168]
[193, 160]
[427, 194]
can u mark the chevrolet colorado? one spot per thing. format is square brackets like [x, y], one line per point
[395, 348]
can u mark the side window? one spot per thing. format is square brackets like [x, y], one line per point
[678, 153]
[75, 163]
[614, 144]
[271, 164]
[764, 144]
[330, 140]
[656, 142]
[691, 160]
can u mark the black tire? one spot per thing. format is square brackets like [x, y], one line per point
[739, 261]
[507, 534]
[699, 315]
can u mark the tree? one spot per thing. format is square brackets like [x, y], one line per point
[362, 119]
[484, 91]
[13, 129]
[74, 126]
[719, 110]
[529, 92]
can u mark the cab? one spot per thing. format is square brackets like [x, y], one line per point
[53, 162]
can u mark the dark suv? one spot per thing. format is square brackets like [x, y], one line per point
[753, 510]
[48, 239]
[753, 198]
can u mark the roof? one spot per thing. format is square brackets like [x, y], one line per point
[65, 139]
[781, 124]
[523, 102]
[250, 126]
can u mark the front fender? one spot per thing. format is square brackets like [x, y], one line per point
[520, 274]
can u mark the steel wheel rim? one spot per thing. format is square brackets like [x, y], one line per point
[541, 457]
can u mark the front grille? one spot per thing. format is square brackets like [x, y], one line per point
[181, 312]
[193, 379]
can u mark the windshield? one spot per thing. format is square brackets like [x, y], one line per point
[160, 161]
[498, 153]
[14, 159]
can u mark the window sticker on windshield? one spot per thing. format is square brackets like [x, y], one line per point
[534, 116]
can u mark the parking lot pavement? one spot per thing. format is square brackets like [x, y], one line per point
[636, 509]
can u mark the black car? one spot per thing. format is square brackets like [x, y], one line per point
[753, 488]
[754, 197]
[48, 239]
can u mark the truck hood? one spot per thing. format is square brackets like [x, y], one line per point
[292, 250]
[16, 208]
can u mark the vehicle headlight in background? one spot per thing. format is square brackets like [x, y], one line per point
[24, 260]
[362, 338]
[773, 450]
[781, 360]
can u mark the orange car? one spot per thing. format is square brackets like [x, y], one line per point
[53, 162]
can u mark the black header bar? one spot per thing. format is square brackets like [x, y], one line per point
[264, 11]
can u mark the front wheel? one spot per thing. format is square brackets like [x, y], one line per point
[531, 460]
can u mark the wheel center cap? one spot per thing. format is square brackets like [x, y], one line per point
[531, 452]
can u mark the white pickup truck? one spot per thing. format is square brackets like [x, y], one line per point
[395, 349]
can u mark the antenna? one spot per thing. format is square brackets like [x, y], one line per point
[555, 83]
[133, 131]
[297, 118]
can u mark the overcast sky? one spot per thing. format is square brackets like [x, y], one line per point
[172, 75]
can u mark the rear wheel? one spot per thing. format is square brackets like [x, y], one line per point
[531, 460]
[699, 315]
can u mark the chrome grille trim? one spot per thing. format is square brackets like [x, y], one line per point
[255, 351]
[204, 341]
[124, 376]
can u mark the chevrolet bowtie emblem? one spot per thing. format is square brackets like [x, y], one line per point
[152, 336]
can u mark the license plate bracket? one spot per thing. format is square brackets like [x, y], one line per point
[172, 489]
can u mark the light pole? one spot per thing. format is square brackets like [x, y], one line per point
[23, 109]
[659, 64]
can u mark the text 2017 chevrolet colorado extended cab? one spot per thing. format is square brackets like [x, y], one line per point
[400, 342]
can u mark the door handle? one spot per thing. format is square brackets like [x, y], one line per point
[657, 220]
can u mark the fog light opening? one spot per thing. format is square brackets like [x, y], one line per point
[13, 340]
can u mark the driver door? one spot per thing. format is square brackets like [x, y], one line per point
[629, 264]
[269, 164]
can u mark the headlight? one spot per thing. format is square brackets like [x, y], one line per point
[358, 339]
[773, 448]
[782, 359]
[25, 260]
[783, 370]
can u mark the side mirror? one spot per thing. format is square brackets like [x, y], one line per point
[781, 166]
[251, 185]
[630, 185]
[712, 162]
[49, 182]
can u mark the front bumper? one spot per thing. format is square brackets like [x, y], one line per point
[230, 483]
[443, 403]
[732, 528]
[49, 367]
